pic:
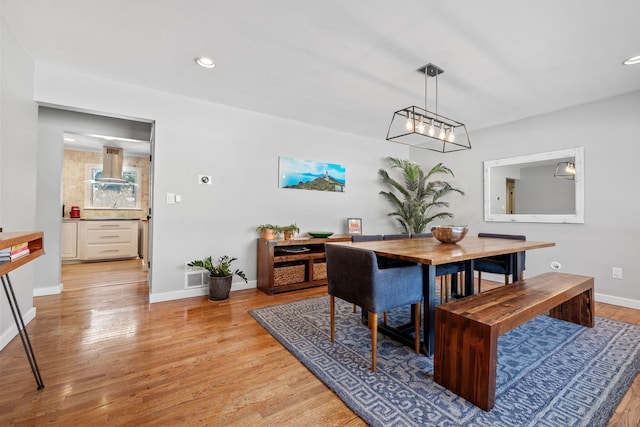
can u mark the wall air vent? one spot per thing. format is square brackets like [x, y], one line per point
[195, 277]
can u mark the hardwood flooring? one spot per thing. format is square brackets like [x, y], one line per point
[108, 357]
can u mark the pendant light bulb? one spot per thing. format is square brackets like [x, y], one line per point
[451, 137]
[421, 125]
[408, 124]
[442, 133]
[432, 128]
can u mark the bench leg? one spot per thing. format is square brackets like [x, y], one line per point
[465, 358]
[578, 310]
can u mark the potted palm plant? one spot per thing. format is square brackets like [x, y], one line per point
[220, 276]
[417, 194]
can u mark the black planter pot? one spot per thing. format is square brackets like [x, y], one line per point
[219, 287]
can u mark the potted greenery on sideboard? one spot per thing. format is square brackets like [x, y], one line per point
[268, 231]
[289, 231]
[220, 276]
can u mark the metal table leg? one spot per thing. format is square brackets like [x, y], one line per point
[429, 307]
[22, 330]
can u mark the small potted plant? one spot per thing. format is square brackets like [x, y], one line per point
[290, 231]
[220, 276]
[268, 231]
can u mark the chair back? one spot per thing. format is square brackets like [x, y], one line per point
[366, 237]
[395, 236]
[502, 258]
[417, 236]
[353, 275]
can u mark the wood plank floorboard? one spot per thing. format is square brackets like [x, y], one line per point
[108, 357]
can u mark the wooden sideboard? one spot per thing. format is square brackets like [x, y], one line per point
[286, 265]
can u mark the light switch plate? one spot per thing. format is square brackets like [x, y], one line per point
[171, 198]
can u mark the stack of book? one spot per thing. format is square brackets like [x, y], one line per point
[13, 252]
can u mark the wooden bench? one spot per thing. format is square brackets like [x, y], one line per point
[467, 330]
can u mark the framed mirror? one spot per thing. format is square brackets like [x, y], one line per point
[543, 187]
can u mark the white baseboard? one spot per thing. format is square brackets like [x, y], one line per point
[10, 333]
[51, 290]
[623, 302]
[190, 293]
[252, 284]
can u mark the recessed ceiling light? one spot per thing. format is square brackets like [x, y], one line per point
[633, 60]
[205, 62]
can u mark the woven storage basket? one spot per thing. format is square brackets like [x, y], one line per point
[288, 274]
[319, 270]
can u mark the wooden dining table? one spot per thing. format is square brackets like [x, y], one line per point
[430, 252]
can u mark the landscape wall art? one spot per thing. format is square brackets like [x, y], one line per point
[310, 175]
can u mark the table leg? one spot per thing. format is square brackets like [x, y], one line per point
[518, 267]
[22, 330]
[469, 285]
[430, 302]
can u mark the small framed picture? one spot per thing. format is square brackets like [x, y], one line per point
[354, 225]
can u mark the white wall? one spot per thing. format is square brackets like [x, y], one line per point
[240, 150]
[609, 131]
[539, 192]
[18, 124]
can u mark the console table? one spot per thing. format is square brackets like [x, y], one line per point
[298, 263]
[36, 248]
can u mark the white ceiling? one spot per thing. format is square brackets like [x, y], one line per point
[348, 65]
[96, 143]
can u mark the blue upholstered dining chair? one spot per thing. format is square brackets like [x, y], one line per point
[353, 275]
[498, 264]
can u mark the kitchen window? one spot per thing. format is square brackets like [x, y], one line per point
[112, 195]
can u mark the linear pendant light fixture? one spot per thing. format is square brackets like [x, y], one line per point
[421, 128]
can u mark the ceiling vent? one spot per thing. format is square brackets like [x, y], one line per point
[112, 159]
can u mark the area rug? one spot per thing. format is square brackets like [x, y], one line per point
[550, 372]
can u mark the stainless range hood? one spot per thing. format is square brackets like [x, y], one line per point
[112, 160]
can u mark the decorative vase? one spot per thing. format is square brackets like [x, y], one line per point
[219, 287]
[288, 235]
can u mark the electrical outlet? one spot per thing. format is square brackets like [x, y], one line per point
[204, 179]
[616, 272]
[555, 266]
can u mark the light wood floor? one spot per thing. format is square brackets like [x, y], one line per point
[108, 357]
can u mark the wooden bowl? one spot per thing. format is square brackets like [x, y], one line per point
[449, 233]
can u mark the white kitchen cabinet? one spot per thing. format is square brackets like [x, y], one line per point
[107, 239]
[69, 240]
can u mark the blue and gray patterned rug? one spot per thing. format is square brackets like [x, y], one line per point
[550, 372]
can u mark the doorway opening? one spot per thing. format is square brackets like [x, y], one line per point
[511, 196]
[92, 196]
